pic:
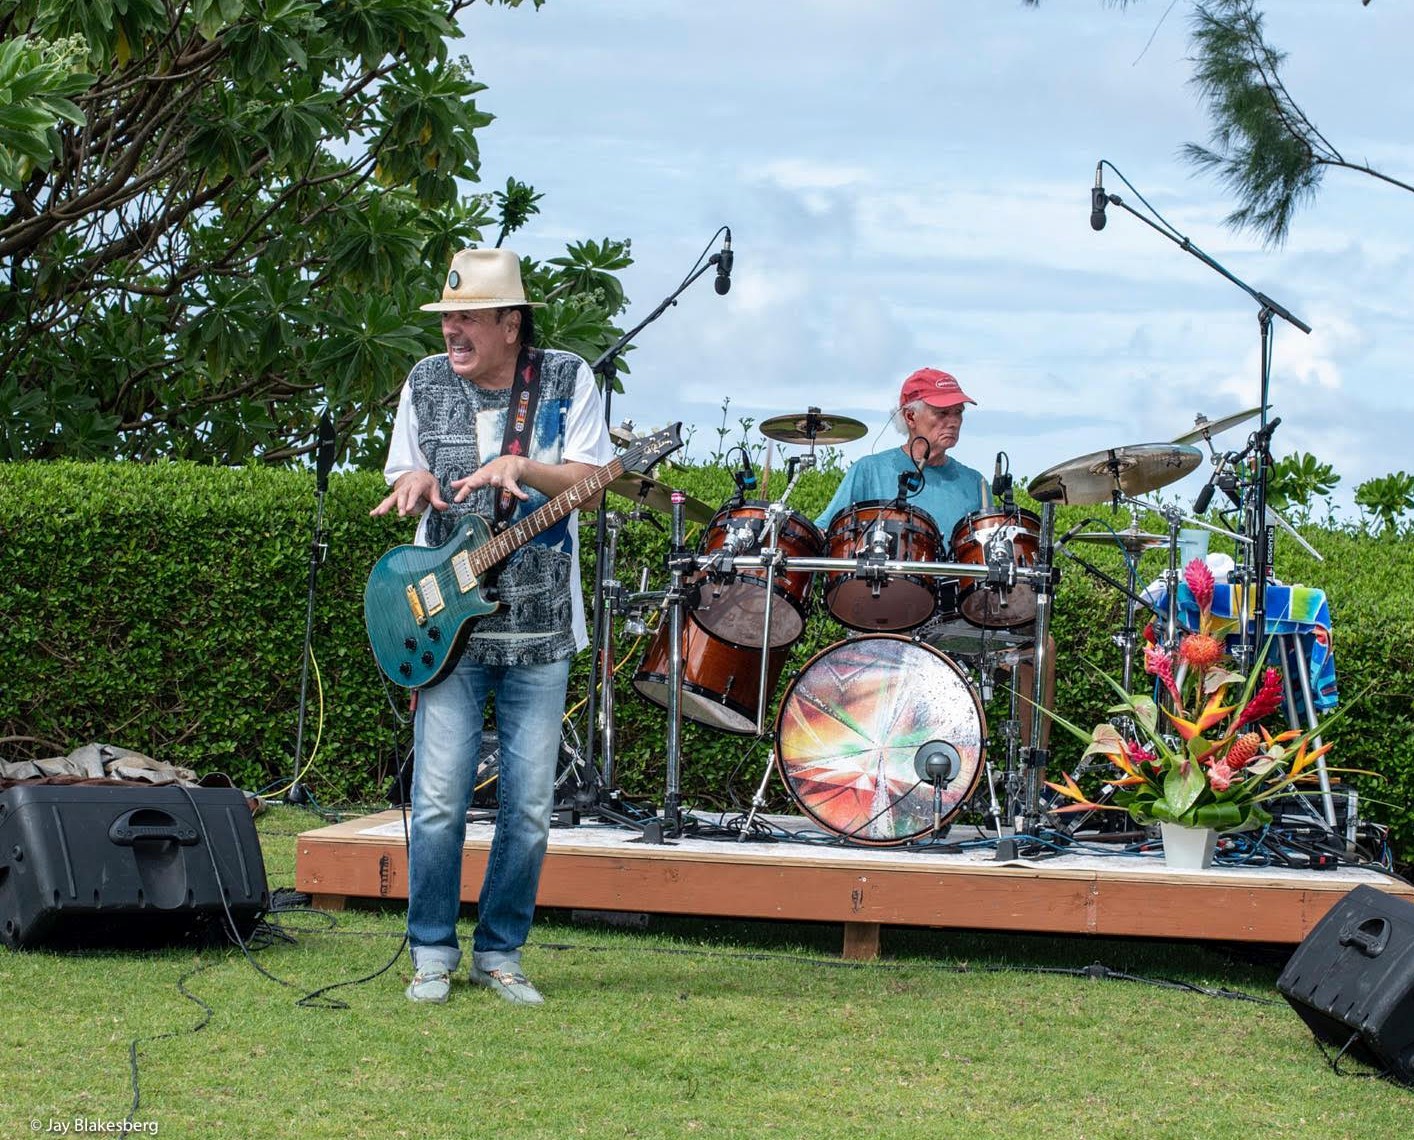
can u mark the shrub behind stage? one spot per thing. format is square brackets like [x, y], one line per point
[162, 607]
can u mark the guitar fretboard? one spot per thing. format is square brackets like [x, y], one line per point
[503, 545]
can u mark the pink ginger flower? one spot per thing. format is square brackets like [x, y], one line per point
[1220, 776]
[1158, 664]
[1265, 701]
[1200, 583]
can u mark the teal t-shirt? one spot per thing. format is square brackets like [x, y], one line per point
[951, 490]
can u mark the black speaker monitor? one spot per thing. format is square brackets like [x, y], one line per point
[1352, 980]
[126, 864]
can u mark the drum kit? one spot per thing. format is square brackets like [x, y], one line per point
[881, 738]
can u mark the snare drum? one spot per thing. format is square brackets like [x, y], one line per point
[720, 682]
[991, 607]
[901, 601]
[858, 727]
[732, 607]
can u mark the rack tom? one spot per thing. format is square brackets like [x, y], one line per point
[995, 536]
[900, 601]
[731, 604]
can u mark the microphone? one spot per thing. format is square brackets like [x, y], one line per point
[324, 460]
[723, 283]
[1205, 496]
[1097, 201]
[1073, 531]
[748, 473]
[1001, 484]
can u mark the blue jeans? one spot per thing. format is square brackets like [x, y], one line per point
[530, 702]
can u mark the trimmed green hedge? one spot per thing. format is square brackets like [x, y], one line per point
[162, 607]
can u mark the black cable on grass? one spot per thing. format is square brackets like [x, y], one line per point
[136, 1041]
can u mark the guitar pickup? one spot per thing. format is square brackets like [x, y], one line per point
[425, 598]
[461, 567]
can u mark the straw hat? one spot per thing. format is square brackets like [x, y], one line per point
[482, 279]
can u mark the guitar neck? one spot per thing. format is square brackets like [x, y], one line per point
[503, 545]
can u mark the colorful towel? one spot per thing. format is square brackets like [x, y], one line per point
[1299, 610]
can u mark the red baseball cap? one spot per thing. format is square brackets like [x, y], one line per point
[933, 387]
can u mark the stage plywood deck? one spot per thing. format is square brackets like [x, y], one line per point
[598, 867]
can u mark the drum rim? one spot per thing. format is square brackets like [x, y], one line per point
[961, 675]
[762, 505]
[1002, 512]
[908, 508]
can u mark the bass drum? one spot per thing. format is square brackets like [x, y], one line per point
[720, 682]
[857, 729]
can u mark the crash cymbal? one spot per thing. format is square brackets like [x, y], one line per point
[814, 426]
[645, 491]
[1130, 470]
[1133, 541]
[1204, 428]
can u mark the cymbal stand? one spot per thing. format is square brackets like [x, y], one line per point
[1174, 520]
[612, 593]
[680, 559]
[1034, 758]
[770, 555]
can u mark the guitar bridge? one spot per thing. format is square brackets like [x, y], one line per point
[425, 598]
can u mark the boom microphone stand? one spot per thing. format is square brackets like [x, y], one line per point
[1267, 308]
[608, 803]
[297, 793]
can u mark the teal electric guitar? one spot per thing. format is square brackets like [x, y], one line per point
[421, 602]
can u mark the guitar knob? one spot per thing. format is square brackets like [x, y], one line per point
[409, 643]
[434, 634]
[405, 669]
[427, 658]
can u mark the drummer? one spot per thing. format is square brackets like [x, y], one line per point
[929, 414]
[930, 407]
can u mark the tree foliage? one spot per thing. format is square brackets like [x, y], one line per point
[217, 217]
[1264, 148]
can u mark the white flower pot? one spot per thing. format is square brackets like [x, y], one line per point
[1190, 848]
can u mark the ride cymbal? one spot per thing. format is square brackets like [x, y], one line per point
[1132, 470]
[646, 491]
[814, 426]
[1204, 428]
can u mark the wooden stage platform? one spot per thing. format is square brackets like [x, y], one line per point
[599, 867]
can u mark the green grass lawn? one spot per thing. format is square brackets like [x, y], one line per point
[682, 1028]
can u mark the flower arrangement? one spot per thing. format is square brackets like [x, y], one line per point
[1208, 762]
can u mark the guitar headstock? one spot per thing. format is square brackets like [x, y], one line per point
[647, 450]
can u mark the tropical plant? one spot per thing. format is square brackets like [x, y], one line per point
[1388, 498]
[1206, 763]
[1298, 479]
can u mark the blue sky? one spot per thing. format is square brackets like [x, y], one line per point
[907, 184]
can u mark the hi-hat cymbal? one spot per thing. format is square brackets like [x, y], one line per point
[645, 491]
[1131, 470]
[814, 426]
[1204, 428]
[1133, 541]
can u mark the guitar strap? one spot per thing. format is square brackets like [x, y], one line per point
[520, 422]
